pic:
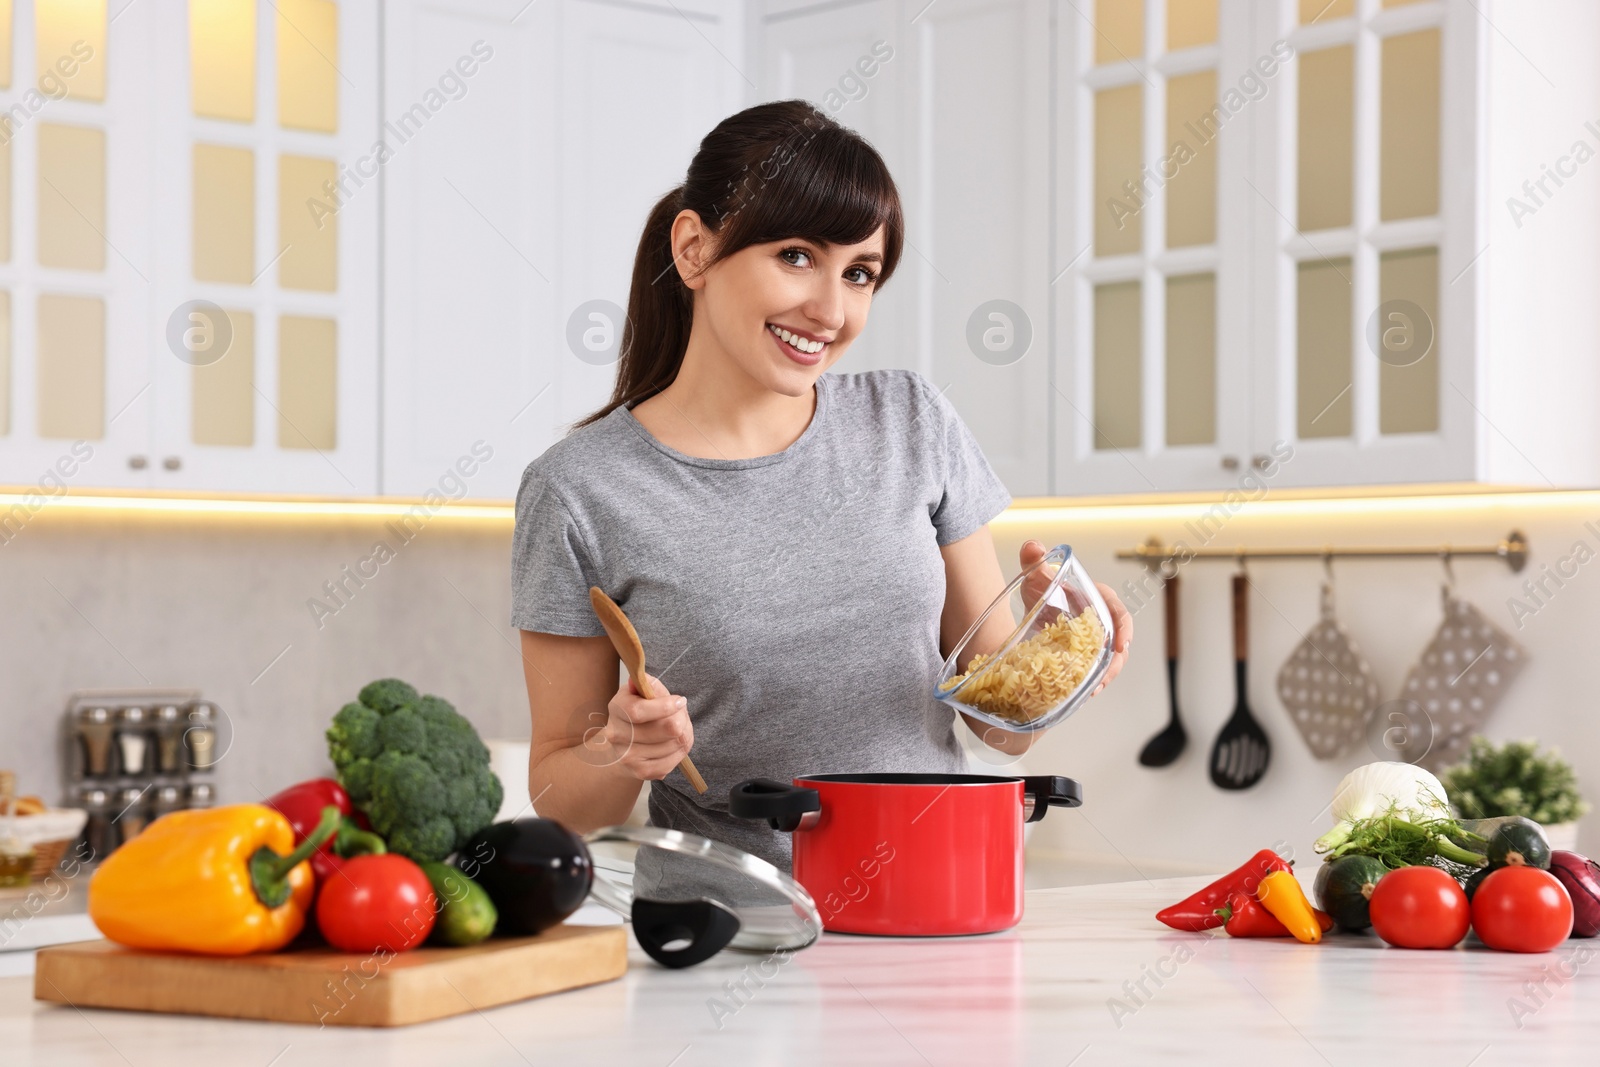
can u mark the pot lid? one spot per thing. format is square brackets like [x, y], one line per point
[689, 896]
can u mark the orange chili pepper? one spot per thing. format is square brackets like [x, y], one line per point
[1280, 893]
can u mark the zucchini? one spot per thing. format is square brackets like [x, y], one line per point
[465, 913]
[1479, 831]
[1344, 887]
[1518, 845]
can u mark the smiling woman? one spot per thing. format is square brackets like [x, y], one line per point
[798, 550]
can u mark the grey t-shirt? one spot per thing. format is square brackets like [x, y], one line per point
[792, 598]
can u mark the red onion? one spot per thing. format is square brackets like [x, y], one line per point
[1581, 877]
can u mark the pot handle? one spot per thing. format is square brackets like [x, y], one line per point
[1043, 791]
[784, 806]
[706, 925]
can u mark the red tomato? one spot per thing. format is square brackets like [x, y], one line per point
[1522, 909]
[1419, 907]
[376, 904]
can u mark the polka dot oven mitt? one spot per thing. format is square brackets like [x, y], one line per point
[1460, 679]
[1327, 687]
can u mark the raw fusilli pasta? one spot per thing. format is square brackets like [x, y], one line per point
[1038, 673]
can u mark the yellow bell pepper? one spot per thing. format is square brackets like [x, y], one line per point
[222, 881]
[1280, 893]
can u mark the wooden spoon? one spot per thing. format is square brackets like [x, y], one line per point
[626, 640]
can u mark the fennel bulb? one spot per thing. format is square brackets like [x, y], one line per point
[1414, 793]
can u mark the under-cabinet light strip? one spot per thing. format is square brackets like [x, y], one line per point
[1021, 513]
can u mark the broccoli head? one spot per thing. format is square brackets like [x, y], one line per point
[353, 734]
[387, 694]
[416, 767]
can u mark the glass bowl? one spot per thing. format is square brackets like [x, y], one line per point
[1049, 665]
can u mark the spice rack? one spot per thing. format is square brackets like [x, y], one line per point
[133, 755]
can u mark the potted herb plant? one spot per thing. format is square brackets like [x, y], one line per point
[1517, 779]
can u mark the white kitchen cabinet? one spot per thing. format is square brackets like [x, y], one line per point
[519, 206]
[75, 258]
[192, 178]
[955, 97]
[1377, 156]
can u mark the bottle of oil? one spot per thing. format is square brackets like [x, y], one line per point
[16, 855]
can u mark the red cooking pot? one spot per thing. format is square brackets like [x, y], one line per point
[908, 854]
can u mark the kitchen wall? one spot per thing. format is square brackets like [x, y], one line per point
[102, 599]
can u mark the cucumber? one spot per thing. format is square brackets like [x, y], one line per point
[1518, 845]
[1344, 886]
[466, 915]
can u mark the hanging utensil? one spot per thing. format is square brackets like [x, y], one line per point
[1326, 685]
[1240, 754]
[1167, 745]
[626, 641]
[1460, 676]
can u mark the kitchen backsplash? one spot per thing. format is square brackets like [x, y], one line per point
[274, 620]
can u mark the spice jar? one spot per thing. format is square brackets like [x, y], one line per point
[133, 815]
[133, 740]
[99, 831]
[168, 799]
[201, 737]
[94, 728]
[202, 794]
[169, 739]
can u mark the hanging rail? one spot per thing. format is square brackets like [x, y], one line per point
[1158, 557]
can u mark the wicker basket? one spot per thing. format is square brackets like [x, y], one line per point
[47, 857]
[51, 833]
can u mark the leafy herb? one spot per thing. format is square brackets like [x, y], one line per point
[1514, 779]
[1397, 841]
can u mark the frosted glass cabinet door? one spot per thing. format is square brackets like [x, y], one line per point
[75, 253]
[1151, 251]
[1366, 346]
[265, 379]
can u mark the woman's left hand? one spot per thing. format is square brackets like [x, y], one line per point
[1122, 620]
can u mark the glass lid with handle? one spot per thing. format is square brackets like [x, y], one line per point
[689, 896]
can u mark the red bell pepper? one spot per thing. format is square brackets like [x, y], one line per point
[1245, 916]
[1199, 911]
[303, 804]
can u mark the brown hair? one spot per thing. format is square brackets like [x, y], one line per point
[777, 170]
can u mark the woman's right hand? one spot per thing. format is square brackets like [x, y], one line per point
[648, 738]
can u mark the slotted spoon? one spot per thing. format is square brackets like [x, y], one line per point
[1241, 752]
[626, 640]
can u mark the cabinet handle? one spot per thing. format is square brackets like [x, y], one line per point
[1259, 461]
[1230, 463]
[138, 463]
[172, 463]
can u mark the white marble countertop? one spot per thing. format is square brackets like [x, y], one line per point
[1063, 988]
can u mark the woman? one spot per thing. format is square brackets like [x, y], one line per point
[797, 550]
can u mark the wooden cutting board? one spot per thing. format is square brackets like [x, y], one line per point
[323, 987]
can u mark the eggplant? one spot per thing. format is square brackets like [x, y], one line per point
[1581, 877]
[536, 872]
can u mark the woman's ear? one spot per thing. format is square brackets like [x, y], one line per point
[691, 246]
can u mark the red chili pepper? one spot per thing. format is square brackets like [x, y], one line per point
[1199, 911]
[303, 804]
[1245, 916]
